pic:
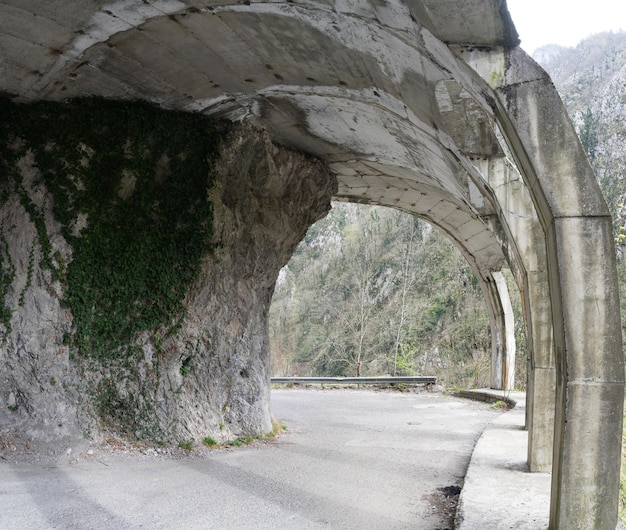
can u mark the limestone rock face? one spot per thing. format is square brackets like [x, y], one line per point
[40, 388]
[264, 200]
[202, 369]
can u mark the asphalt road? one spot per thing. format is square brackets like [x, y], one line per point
[350, 460]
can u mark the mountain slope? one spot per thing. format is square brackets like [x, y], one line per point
[591, 79]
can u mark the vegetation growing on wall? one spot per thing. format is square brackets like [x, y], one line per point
[7, 274]
[129, 184]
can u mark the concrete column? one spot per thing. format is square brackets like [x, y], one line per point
[521, 218]
[541, 391]
[503, 354]
[518, 215]
[590, 389]
[583, 294]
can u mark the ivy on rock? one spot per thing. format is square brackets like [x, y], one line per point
[129, 186]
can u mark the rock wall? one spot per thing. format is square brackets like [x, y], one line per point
[139, 254]
[264, 200]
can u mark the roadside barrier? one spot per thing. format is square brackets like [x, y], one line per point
[382, 380]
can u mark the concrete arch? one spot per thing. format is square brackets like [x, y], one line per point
[581, 274]
[407, 102]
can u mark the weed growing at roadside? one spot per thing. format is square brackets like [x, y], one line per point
[277, 429]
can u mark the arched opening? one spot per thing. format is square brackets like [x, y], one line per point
[375, 291]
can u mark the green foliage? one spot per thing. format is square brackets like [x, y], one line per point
[588, 134]
[277, 430]
[185, 367]
[186, 445]
[137, 176]
[405, 360]
[7, 275]
[433, 315]
[209, 441]
[29, 274]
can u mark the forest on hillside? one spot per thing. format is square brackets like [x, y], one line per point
[374, 291]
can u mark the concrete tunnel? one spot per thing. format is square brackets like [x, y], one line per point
[427, 106]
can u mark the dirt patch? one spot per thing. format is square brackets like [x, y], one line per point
[442, 504]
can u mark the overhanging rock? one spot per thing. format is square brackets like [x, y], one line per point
[137, 283]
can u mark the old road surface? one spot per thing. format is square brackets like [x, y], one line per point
[351, 459]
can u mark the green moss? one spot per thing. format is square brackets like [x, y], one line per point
[29, 274]
[138, 176]
[185, 367]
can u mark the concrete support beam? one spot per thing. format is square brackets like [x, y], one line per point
[590, 375]
[517, 210]
[541, 374]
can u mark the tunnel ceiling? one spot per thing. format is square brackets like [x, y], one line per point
[372, 87]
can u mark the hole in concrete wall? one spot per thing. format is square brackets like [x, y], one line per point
[375, 291]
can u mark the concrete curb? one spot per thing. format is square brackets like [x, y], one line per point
[490, 396]
[499, 492]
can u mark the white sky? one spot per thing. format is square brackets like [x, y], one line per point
[564, 22]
